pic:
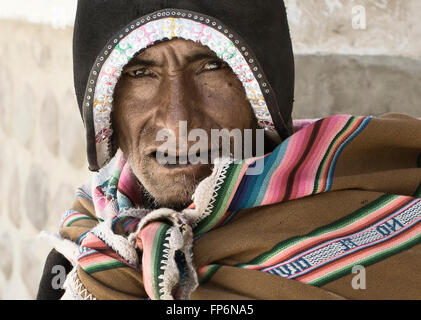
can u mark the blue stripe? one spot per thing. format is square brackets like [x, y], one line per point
[79, 240]
[274, 160]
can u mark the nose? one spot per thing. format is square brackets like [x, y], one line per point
[178, 105]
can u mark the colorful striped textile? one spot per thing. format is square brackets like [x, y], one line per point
[309, 163]
[386, 226]
[383, 228]
[302, 165]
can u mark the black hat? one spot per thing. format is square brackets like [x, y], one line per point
[251, 36]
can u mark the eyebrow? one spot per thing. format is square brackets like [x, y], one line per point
[201, 56]
[140, 61]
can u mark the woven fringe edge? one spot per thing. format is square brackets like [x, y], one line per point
[171, 278]
[119, 244]
[207, 191]
[159, 214]
[74, 288]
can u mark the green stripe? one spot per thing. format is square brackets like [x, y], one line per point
[79, 218]
[221, 201]
[209, 274]
[226, 189]
[112, 183]
[342, 223]
[366, 261]
[329, 152]
[156, 256]
[103, 266]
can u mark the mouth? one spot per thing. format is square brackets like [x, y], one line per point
[184, 160]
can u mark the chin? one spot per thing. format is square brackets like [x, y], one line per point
[177, 201]
[170, 187]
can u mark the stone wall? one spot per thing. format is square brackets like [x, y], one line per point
[361, 85]
[341, 68]
[42, 139]
[326, 27]
[338, 70]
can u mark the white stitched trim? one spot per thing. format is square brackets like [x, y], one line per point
[206, 192]
[182, 242]
[162, 213]
[178, 238]
[118, 243]
[170, 278]
[74, 289]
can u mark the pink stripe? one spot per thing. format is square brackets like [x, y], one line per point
[93, 259]
[306, 175]
[100, 201]
[100, 257]
[82, 193]
[202, 271]
[128, 185]
[303, 123]
[93, 242]
[307, 172]
[277, 185]
[147, 236]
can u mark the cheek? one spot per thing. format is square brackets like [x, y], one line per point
[135, 95]
[131, 114]
[224, 99]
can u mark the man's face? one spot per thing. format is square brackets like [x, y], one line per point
[175, 81]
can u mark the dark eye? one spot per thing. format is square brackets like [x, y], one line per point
[214, 65]
[139, 73]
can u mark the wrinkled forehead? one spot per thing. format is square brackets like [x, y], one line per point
[183, 51]
[177, 45]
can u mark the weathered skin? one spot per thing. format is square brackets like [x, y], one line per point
[174, 81]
